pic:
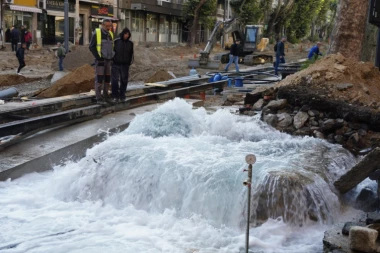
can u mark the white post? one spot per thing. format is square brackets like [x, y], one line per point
[250, 159]
[77, 28]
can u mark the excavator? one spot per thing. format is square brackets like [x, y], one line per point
[248, 35]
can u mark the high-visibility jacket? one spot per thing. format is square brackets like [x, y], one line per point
[99, 40]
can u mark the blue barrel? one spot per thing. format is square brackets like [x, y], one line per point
[238, 82]
[217, 77]
[229, 82]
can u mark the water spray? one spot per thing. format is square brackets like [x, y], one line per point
[250, 159]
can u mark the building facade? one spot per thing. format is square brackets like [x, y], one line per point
[152, 20]
[156, 21]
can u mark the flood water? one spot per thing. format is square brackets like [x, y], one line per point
[172, 182]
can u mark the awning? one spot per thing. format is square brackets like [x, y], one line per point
[60, 14]
[90, 1]
[103, 17]
[24, 8]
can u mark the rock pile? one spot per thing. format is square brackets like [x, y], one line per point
[334, 99]
[338, 78]
[358, 235]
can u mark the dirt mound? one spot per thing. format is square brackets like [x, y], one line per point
[159, 76]
[80, 80]
[9, 80]
[342, 79]
[79, 56]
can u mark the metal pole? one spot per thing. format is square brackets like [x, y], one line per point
[229, 11]
[250, 159]
[377, 62]
[224, 19]
[248, 207]
[66, 24]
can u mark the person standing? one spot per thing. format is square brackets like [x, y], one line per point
[101, 46]
[280, 54]
[22, 34]
[121, 62]
[28, 39]
[314, 51]
[20, 56]
[15, 37]
[8, 37]
[234, 56]
[61, 53]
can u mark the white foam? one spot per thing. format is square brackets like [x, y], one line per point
[172, 182]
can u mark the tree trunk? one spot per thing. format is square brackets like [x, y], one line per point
[312, 32]
[369, 43]
[193, 30]
[348, 34]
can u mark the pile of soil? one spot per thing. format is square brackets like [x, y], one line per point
[10, 80]
[341, 79]
[159, 76]
[80, 80]
[79, 56]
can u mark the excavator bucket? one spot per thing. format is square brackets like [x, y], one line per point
[211, 64]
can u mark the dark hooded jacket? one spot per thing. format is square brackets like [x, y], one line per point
[123, 49]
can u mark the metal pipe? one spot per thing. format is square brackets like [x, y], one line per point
[66, 24]
[8, 93]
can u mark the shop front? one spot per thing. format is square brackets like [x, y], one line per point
[22, 12]
[98, 14]
[52, 23]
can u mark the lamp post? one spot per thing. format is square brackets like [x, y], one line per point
[66, 24]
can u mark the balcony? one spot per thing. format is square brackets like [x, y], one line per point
[158, 6]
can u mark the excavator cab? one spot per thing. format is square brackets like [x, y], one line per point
[251, 38]
[249, 35]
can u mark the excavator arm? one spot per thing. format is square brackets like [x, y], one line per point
[222, 27]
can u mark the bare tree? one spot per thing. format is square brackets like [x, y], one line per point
[194, 26]
[278, 16]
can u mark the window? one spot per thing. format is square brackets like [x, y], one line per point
[251, 34]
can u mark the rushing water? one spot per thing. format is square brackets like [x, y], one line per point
[172, 182]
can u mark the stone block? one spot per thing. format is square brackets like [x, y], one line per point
[363, 239]
[300, 119]
[284, 120]
[277, 104]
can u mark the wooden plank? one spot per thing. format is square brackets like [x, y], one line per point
[156, 84]
[359, 172]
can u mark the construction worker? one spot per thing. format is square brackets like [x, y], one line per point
[61, 54]
[234, 56]
[101, 46]
[280, 54]
[121, 63]
[314, 51]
